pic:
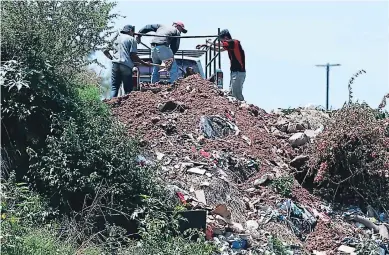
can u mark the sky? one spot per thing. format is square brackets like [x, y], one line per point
[283, 41]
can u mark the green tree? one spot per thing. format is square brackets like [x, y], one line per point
[44, 44]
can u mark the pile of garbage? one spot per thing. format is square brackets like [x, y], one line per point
[224, 157]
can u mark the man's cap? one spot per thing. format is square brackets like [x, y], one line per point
[127, 29]
[224, 32]
[179, 23]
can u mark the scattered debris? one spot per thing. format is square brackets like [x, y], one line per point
[252, 225]
[299, 161]
[262, 180]
[200, 131]
[160, 156]
[216, 127]
[171, 106]
[196, 170]
[347, 249]
[200, 196]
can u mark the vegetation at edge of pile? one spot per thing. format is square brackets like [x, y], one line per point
[61, 140]
[27, 231]
[350, 160]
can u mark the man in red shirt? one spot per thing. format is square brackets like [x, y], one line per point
[237, 58]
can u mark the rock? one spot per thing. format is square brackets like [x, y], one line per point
[298, 139]
[204, 184]
[306, 124]
[155, 119]
[299, 161]
[223, 211]
[209, 175]
[171, 106]
[262, 180]
[250, 190]
[160, 155]
[252, 225]
[319, 130]
[248, 141]
[310, 133]
[282, 125]
[347, 249]
[319, 253]
[237, 227]
[196, 170]
[295, 127]
[186, 165]
[278, 133]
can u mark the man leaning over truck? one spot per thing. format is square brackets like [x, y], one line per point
[237, 59]
[124, 55]
[160, 50]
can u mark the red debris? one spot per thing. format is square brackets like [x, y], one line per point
[205, 154]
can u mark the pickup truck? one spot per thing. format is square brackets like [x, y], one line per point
[185, 59]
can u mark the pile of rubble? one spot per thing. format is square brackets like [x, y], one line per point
[224, 156]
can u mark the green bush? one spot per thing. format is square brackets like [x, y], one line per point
[58, 135]
[61, 139]
[39, 59]
[89, 150]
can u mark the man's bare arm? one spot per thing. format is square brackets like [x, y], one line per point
[217, 48]
[217, 44]
[212, 47]
[135, 58]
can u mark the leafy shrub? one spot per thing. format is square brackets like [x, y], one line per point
[38, 60]
[91, 149]
[350, 160]
[59, 136]
[277, 246]
[283, 185]
[63, 33]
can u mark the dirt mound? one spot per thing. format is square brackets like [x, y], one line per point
[221, 151]
[175, 116]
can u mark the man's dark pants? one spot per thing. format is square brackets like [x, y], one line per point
[121, 73]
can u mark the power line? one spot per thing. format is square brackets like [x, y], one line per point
[328, 65]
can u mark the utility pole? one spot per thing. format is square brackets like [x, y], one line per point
[328, 65]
